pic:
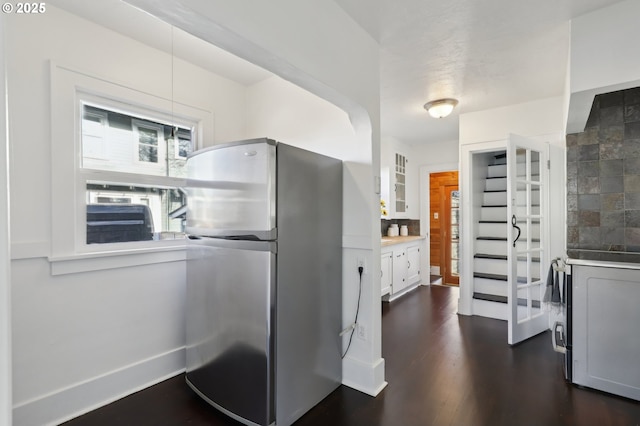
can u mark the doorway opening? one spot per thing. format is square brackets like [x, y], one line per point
[444, 218]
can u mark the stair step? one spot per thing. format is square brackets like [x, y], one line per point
[503, 299]
[496, 170]
[496, 184]
[494, 228]
[493, 198]
[490, 297]
[484, 285]
[498, 277]
[501, 257]
[498, 265]
[490, 256]
[499, 247]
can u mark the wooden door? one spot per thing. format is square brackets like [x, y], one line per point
[450, 234]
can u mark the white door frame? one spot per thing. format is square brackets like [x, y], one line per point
[468, 203]
[425, 208]
[5, 259]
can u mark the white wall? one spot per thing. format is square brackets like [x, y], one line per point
[285, 112]
[602, 58]
[603, 47]
[318, 47]
[535, 118]
[436, 153]
[83, 339]
[5, 264]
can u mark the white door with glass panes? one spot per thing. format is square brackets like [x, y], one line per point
[527, 177]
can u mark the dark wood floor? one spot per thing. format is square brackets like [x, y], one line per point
[442, 369]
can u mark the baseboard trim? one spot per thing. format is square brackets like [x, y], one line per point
[364, 377]
[73, 401]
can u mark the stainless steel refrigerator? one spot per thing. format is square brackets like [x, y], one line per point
[264, 279]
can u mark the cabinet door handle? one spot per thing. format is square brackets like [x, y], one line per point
[408, 264]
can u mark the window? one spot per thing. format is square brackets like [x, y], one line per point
[143, 155]
[135, 213]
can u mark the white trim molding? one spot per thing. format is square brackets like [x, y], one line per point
[364, 377]
[73, 401]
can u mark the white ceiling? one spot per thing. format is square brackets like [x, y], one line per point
[486, 54]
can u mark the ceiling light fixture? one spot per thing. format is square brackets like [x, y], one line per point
[441, 107]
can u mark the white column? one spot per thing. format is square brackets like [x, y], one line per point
[5, 262]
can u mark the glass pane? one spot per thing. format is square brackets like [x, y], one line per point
[147, 136]
[454, 268]
[535, 166]
[521, 272]
[121, 213]
[523, 304]
[521, 164]
[147, 153]
[115, 141]
[521, 210]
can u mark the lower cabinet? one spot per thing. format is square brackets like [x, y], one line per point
[386, 271]
[400, 268]
[413, 264]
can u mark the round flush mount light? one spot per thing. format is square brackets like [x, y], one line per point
[440, 108]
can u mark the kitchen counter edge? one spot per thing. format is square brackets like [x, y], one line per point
[391, 241]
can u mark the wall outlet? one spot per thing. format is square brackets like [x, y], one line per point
[361, 331]
[361, 264]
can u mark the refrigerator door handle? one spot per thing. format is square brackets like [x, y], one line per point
[271, 246]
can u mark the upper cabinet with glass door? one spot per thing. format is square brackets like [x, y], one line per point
[400, 184]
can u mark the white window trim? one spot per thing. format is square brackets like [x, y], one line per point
[69, 251]
[161, 147]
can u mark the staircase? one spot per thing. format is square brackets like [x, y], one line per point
[490, 266]
[490, 254]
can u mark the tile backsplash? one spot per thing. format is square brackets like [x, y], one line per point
[413, 225]
[603, 177]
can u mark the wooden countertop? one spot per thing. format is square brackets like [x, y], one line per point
[390, 241]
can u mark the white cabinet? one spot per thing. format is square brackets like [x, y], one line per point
[413, 264]
[399, 180]
[400, 268]
[386, 273]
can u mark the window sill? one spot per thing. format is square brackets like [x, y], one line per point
[98, 261]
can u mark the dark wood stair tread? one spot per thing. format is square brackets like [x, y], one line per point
[501, 257]
[503, 299]
[497, 277]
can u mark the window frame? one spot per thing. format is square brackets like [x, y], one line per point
[69, 89]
